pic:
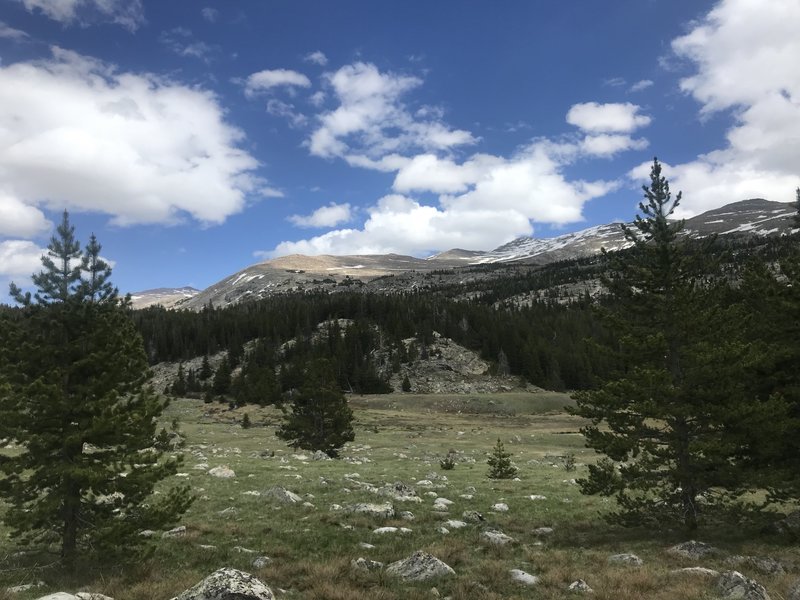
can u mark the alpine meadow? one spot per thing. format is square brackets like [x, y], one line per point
[382, 301]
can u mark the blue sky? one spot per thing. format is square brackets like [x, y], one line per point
[195, 138]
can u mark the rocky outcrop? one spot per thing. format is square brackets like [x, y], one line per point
[228, 584]
[693, 550]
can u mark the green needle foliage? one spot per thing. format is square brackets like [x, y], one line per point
[500, 465]
[678, 423]
[320, 418]
[73, 402]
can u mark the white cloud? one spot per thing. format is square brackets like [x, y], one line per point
[9, 33]
[128, 13]
[285, 110]
[19, 259]
[371, 121]
[181, 41]
[317, 58]
[325, 216]
[607, 118]
[132, 146]
[484, 202]
[744, 56]
[317, 98]
[608, 145]
[18, 219]
[641, 85]
[268, 79]
[210, 14]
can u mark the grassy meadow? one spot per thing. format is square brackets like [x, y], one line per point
[401, 438]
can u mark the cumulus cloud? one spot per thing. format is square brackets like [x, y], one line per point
[9, 33]
[19, 219]
[287, 111]
[132, 146]
[271, 78]
[483, 202]
[128, 13]
[19, 259]
[326, 216]
[317, 58]
[744, 60]
[371, 120]
[607, 118]
[607, 145]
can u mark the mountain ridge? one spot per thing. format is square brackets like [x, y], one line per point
[297, 273]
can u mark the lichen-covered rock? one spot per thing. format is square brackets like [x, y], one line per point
[498, 538]
[381, 511]
[58, 596]
[701, 571]
[399, 491]
[625, 559]
[764, 564]
[420, 566]
[280, 494]
[693, 550]
[228, 584]
[732, 585]
[472, 516]
[579, 585]
[223, 472]
[366, 565]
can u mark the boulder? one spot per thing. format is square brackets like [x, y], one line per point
[472, 516]
[625, 559]
[399, 491]
[90, 596]
[523, 577]
[228, 584]
[280, 494]
[764, 564]
[58, 596]
[701, 571]
[542, 531]
[381, 511]
[498, 538]
[732, 585]
[794, 591]
[420, 566]
[693, 550]
[365, 565]
[579, 585]
[222, 471]
[500, 507]
[789, 525]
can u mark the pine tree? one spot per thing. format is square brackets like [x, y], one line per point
[674, 424]
[75, 402]
[320, 418]
[221, 383]
[500, 465]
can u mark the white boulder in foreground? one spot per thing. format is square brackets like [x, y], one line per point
[228, 584]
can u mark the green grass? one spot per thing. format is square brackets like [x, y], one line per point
[402, 437]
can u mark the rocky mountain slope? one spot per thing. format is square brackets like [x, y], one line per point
[166, 297]
[392, 272]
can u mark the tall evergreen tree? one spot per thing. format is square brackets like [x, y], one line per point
[76, 404]
[679, 418]
[320, 418]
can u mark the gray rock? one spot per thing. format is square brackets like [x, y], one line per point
[380, 511]
[500, 507]
[693, 550]
[498, 538]
[223, 472]
[542, 531]
[58, 596]
[789, 525]
[179, 531]
[453, 524]
[523, 577]
[472, 516]
[794, 591]
[420, 566]
[18, 589]
[406, 515]
[280, 494]
[90, 596]
[732, 585]
[625, 559]
[228, 584]
[579, 585]
[399, 491]
[320, 455]
[702, 571]
[366, 565]
[259, 562]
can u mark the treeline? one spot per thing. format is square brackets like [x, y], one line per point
[543, 343]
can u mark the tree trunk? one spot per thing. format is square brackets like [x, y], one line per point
[69, 540]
